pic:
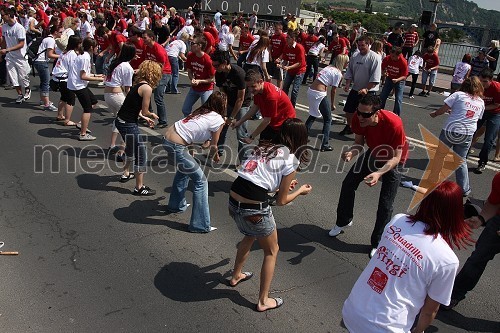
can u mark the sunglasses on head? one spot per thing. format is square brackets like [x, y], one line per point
[365, 114]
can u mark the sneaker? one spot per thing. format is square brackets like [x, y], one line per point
[79, 126]
[422, 93]
[213, 228]
[20, 99]
[144, 190]
[50, 107]
[412, 97]
[336, 230]
[326, 148]
[100, 84]
[480, 168]
[427, 94]
[86, 137]
[454, 302]
[162, 125]
[27, 94]
[372, 252]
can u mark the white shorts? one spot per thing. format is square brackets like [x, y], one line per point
[114, 102]
[19, 71]
[314, 98]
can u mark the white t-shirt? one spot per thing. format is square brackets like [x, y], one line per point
[68, 32]
[199, 129]
[316, 48]
[86, 28]
[330, 76]
[391, 290]
[268, 172]
[121, 76]
[226, 41]
[461, 70]
[82, 63]
[65, 61]
[12, 36]
[465, 112]
[47, 43]
[189, 29]
[263, 57]
[414, 64]
[143, 24]
[176, 47]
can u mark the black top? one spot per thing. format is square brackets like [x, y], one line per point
[430, 38]
[395, 39]
[493, 64]
[231, 82]
[161, 33]
[131, 107]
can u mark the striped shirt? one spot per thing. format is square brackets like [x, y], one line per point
[411, 39]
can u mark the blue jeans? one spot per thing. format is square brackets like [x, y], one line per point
[99, 63]
[188, 168]
[487, 246]
[42, 68]
[135, 148]
[492, 121]
[365, 165]
[296, 80]
[241, 131]
[326, 112]
[174, 63]
[398, 94]
[159, 92]
[191, 98]
[241, 59]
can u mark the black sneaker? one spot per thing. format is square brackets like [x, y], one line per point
[144, 191]
[326, 148]
[162, 125]
[346, 131]
[427, 94]
[422, 93]
[480, 168]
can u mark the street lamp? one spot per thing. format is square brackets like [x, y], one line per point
[434, 12]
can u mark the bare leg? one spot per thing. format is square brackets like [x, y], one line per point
[270, 246]
[60, 109]
[139, 177]
[349, 117]
[85, 123]
[45, 100]
[241, 257]
[69, 111]
[497, 151]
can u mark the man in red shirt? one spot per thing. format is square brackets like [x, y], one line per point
[201, 74]
[209, 27]
[246, 40]
[273, 103]
[491, 116]
[156, 52]
[310, 40]
[383, 133]
[337, 46]
[395, 68]
[430, 70]
[295, 56]
[278, 43]
[135, 37]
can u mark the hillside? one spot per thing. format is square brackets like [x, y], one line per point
[462, 11]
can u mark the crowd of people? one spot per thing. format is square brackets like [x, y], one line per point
[137, 55]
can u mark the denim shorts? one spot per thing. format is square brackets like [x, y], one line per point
[432, 77]
[253, 222]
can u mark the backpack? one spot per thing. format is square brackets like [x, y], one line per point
[62, 41]
[32, 49]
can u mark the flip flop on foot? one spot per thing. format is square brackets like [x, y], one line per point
[69, 123]
[278, 300]
[248, 276]
[60, 119]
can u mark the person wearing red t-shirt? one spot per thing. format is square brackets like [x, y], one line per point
[309, 40]
[487, 246]
[278, 44]
[115, 41]
[295, 57]
[135, 37]
[491, 117]
[337, 46]
[395, 68]
[209, 27]
[273, 103]
[383, 133]
[155, 52]
[201, 74]
[430, 70]
[246, 40]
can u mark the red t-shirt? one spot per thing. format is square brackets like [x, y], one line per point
[115, 39]
[102, 42]
[395, 69]
[295, 55]
[210, 42]
[214, 33]
[121, 25]
[492, 96]
[139, 52]
[347, 42]
[301, 38]
[202, 69]
[431, 60]
[246, 41]
[159, 54]
[494, 197]
[337, 47]
[278, 43]
[389, 132]
[275, 104]
[309, 41]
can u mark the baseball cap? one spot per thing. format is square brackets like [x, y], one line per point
[414, 25]
[483, 50]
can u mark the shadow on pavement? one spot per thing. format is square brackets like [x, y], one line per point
[186, 282]
[101, 183]
[455, 319]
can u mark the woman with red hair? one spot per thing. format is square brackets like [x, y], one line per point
[413, 269]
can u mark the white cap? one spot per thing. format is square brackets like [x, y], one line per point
[414, 25]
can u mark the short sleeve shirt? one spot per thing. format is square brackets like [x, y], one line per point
[492, 96]
[202, 69]
[465, 112]
[275, 104]
[231, 83]
[199, 129]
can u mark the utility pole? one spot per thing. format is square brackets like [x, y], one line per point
[434, 12]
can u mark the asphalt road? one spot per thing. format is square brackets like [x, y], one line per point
[95, 258]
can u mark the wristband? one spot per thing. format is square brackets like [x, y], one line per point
[481, 218]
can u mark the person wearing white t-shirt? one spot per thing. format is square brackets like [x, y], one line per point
[176, 51]
[461, 72]
[203, 126]
[85, 27]
[79, 76]
[465, 107]
[415, 63]
[226, 41]
[14, 48]
[269, 168]
[46, 51]
[413, 269]
[258, 57]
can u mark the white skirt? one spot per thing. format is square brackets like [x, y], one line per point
[314, 98]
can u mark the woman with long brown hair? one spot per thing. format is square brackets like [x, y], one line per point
[258, 56]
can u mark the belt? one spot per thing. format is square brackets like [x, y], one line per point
[244, 205]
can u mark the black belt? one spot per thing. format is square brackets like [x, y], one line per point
[244, 205]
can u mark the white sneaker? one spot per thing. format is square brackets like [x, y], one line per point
[86, 137]
[372, 252]
[336, 230]
[79, 126]
[50, 107]
[213, 228]
[27, 94]
[20, 99]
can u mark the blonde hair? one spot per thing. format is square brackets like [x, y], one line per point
[495, 42]
[69, 22]
[472, 86]
[149, 71]
[144, 13]
[341, 61]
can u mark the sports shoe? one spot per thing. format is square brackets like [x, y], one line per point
[427, 94]
[213, 228]
[50, 107]
[27, 93]
[480, 168]
[79, 126]
[372, 252]
[326, 148]
[422, 93]
[336, 230]
[412, 97]
[144, 190]
[20, 99]
[86, 137]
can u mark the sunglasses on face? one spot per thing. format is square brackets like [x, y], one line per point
[365, 114]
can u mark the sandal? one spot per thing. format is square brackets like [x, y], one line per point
[60, 119]
[124, 179]
[69, 123]
[279, 302]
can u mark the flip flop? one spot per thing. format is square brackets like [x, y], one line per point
[248, 276]
[60, 119]
[124, 179]
[279, 302]
[69, 123]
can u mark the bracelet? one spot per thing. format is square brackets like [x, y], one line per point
[481, 218]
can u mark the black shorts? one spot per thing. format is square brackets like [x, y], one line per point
[275, 71]
[86, 99]
[67, 96]
[269, 134]
[353, 99]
